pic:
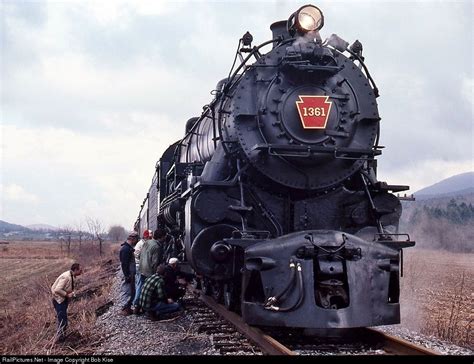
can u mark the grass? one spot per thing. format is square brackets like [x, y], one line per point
[27, 317]
[437, 295]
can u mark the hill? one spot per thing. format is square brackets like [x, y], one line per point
[442, 217]
[30, 232]
[43, 227]
[6, 227]
[458, 185]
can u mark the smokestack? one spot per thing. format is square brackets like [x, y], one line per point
[279, 29]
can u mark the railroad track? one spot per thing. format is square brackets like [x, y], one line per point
[291, 342]
[223, 335]
[398, 346]
[266, 343]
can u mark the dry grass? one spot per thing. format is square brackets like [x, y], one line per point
[437, 294]
[27, 317]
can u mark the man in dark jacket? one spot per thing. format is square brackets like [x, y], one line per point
[127, 262]
[175, 280]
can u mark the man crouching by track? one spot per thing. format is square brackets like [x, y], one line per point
[153, 299]
[176, 281]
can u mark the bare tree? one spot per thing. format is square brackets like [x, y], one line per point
[80, 231]
[66, 233]
[117, 233]
[61, 242]
[96, 230]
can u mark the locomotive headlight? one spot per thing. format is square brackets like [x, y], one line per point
[307, 19]
[310, 18]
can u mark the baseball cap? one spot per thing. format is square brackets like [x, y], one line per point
[133, 234]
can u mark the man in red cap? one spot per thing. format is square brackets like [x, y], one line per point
[147, 235]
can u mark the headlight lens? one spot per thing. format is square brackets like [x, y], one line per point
[309, 18]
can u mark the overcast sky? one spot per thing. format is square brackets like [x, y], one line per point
[93, 92]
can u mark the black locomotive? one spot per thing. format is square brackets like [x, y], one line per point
[273, 189]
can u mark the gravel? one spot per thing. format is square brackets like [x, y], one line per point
[136, 335]
[429, 342]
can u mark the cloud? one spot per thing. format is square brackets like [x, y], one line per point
[67, 91]
[80, 175]
[17, 194]
[466, 90]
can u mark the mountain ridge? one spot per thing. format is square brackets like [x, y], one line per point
[42, 227]
[6, 227]
[458, 184]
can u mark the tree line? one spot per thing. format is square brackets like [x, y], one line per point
[449, 227]
[94, 230]
[456, 213]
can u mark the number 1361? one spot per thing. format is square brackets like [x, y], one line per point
[313, 111]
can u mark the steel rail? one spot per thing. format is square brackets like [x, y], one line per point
[266, 343]
[394, 345]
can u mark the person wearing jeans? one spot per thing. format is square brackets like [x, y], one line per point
[61, 313]
[127, 263]
[153, 299]
[139, 278]
[165, 307]
[62, 290]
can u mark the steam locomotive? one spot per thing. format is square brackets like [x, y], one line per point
[273, 192]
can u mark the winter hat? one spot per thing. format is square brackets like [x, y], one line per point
[173, 261]
[133, 234]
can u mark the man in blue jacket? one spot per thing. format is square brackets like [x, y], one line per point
[127, 262]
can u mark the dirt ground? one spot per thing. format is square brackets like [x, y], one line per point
[437, 294]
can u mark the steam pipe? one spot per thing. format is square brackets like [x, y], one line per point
[300, 295]
[271, 300]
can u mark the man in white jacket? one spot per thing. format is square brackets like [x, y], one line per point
[62, 290]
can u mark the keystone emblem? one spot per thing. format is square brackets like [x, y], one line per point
[314, 111]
